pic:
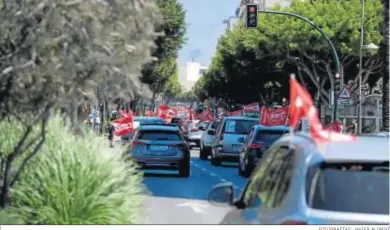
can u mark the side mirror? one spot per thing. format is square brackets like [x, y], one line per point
[241, 140]
[222, 193]
[211, 132]
[201, 128]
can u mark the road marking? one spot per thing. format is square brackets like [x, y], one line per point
[223, 180]
[213, 174]
[203, 169]
[195, 206]
[191, 162]
[196, 165]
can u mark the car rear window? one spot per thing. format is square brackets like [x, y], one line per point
[214, 125]
[151, 121]
[159, 135]
[239, 126]
[355, 188]
[269, 135]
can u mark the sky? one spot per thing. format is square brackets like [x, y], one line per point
[205, 25]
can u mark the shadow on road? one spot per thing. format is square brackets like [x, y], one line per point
[161, 175]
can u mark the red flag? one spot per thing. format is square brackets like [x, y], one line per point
[302, 106]
[236, 113]
[336, 126]
[206, 115]
[252, 108]
[273, 117]
[124, 125]
[149, 113]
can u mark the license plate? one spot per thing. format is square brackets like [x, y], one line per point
[158, 148]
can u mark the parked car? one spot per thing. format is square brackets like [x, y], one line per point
[195, 131]
[229, 138]
[256, 143]
[302, 182]
[206, 140]
[161, 147]
[137, 121]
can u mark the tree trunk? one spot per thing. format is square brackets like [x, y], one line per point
[385, 68]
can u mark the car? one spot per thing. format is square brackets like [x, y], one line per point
[160, 147]
[229, 138]
[206, 140]
[257, 142]
[178, 121]
[299, 181]
[137, 121]
[195, 132]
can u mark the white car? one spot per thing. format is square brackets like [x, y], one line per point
[206, 140]
[195, 131]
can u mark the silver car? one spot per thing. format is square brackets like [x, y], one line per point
[229, 138]
[300, 182]
[195, 132]
[207, 139]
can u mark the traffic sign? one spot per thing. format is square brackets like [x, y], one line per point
[345, 94]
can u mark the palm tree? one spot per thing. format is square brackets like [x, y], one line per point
[385, 68]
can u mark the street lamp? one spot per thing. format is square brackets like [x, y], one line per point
[370, 46]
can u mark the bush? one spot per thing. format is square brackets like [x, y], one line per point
[77, 180]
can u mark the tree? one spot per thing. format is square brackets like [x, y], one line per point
[163, 69]
[385, 68]
[250, 59]
[53, 55]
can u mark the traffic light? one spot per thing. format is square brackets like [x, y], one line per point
[338, 84]
[251, 16]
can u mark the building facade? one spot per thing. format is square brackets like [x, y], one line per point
[190, 73]
[231, 22]
[262, 5]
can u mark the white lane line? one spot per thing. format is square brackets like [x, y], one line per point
[191, 162]
[213, 174]
[203, 169]
[223, 180]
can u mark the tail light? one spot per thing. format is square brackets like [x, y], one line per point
[293, 222]
[256, 146]
[137, 143]
[194, 130]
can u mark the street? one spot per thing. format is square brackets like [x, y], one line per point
[175, 200]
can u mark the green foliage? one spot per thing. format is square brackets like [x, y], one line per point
[73, 180]
[258, 61]
[161, 74]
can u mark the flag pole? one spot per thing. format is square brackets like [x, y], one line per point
[292, 77]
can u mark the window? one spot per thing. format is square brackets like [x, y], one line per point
[159, 135]
[214, 125]
[271, 180]
[269, 135]
[176, 120]
[239, 126]
[151, 121]
[352, 187]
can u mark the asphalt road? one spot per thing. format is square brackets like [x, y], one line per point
[175, 200]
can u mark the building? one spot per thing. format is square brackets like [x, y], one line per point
[231, 22]
[262, 5]
[190, 73]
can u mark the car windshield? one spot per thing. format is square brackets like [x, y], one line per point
[159, 135]
[150, 121]
[269, 135]
[239, 126]
[202, 124]
[356, 188]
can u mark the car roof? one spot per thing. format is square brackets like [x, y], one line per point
[272, 128]
[242, 118]
[365, 149]
[159, 127]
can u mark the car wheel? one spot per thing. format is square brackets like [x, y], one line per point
[248, 164]
[184, 168]
[203, 154]
[215, 160]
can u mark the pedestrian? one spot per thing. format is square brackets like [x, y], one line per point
[111, 130]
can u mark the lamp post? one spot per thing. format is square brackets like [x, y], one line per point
[362, 47]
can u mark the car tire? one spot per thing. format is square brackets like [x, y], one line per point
[249, 165]
[215, 161]
[184, 168]
[203, 154]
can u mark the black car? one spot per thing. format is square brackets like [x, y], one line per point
[256, 143]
